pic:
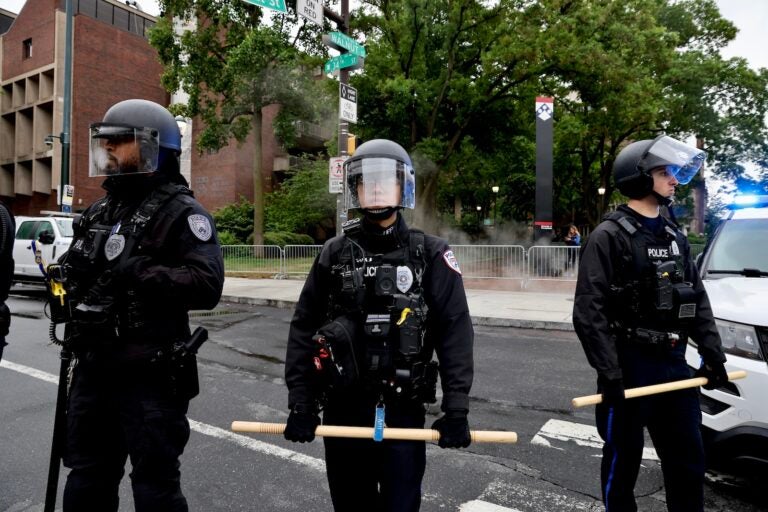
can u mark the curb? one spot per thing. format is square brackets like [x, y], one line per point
[476, 320]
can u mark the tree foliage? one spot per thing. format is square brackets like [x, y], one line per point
[455, 82]
[445, 75]
[235, 61]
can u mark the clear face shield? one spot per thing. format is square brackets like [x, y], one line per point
[375, 183]
[121, 150]
[681, 160]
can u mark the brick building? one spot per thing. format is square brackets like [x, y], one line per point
[111, 61]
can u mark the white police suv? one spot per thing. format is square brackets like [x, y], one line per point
[734, 268]
[58, 229]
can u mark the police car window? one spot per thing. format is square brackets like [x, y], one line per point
[43, 226]
[65, 227]
[741, 244]
[26, 230]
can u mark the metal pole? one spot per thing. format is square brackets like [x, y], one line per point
[65, 125]
[341, 214]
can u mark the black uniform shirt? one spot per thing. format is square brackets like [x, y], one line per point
[606, 259]
[448, 326]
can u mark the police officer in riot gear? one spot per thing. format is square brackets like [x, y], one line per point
[7, 234]
[378, 302]
[638, 300]
[141, 258]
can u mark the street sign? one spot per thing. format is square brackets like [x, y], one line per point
[343, 61]
[347, 103]
[68, 195]
[340, 41]
[277, 5]
[312, 10]
[336, 174]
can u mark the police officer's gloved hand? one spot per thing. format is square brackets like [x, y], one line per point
[612, 390]
[302, 423]
[715, 373]
[454, 429]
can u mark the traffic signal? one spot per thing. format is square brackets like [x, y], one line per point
[351, 144]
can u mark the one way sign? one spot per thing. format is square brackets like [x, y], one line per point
[347, 103]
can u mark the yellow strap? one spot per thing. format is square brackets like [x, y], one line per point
[57, 290]
[404, 315]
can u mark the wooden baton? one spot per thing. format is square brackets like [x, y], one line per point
[402, 434]
[581, 401]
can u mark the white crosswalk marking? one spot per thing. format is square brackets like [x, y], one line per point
[583, 435]
[484, 506]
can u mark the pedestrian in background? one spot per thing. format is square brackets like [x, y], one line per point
[638, 300]
[378, 302]
[572, 239]
[7, 236]
[141, 258]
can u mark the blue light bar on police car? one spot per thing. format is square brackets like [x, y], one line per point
[747, 200]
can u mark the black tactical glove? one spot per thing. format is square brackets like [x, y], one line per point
[715, 373]
[302, 423]
[454, 429]
[612, 390]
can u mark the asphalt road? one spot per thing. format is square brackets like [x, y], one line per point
[524, 382]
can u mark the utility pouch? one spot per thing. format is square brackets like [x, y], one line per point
[424, 381]
[686, 298]
[183, 360]
[664, 288]
[335, 352]
[185, 377]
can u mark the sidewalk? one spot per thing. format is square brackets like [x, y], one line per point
[531, 310]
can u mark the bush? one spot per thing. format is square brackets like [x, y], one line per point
[227, 238]
[693, 238]
[282, 238]
[236, 219]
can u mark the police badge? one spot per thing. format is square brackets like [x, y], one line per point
[114, 246]
[200, 226]
[404, 279]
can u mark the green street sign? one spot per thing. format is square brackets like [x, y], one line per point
[340, 41]
[343, 61]
[277, 5]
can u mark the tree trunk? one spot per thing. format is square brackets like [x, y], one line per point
[258, 181]
[426, 204]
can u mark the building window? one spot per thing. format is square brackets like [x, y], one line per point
[27, 48]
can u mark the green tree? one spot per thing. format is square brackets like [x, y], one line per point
[302, 204]
[237, 60]
[444, 75]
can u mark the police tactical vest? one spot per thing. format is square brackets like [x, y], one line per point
[103, 242]
[650, 281]
[384, 294]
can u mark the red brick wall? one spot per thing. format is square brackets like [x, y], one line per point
[109, 65]
[221, 178]
[36, 21]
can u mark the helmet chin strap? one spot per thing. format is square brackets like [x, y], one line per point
[667, 202]
[379, 215]
[663, 201]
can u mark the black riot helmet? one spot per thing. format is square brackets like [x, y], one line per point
[379, 169]
[633, 166]
[148, 129]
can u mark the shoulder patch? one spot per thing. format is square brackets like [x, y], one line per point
[200, 226]
[451, 261]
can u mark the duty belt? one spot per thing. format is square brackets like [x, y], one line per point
[644, 336]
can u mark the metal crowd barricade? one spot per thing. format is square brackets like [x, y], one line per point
[553, 262]
[298, 259]
[253, 259]
[491, 261]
